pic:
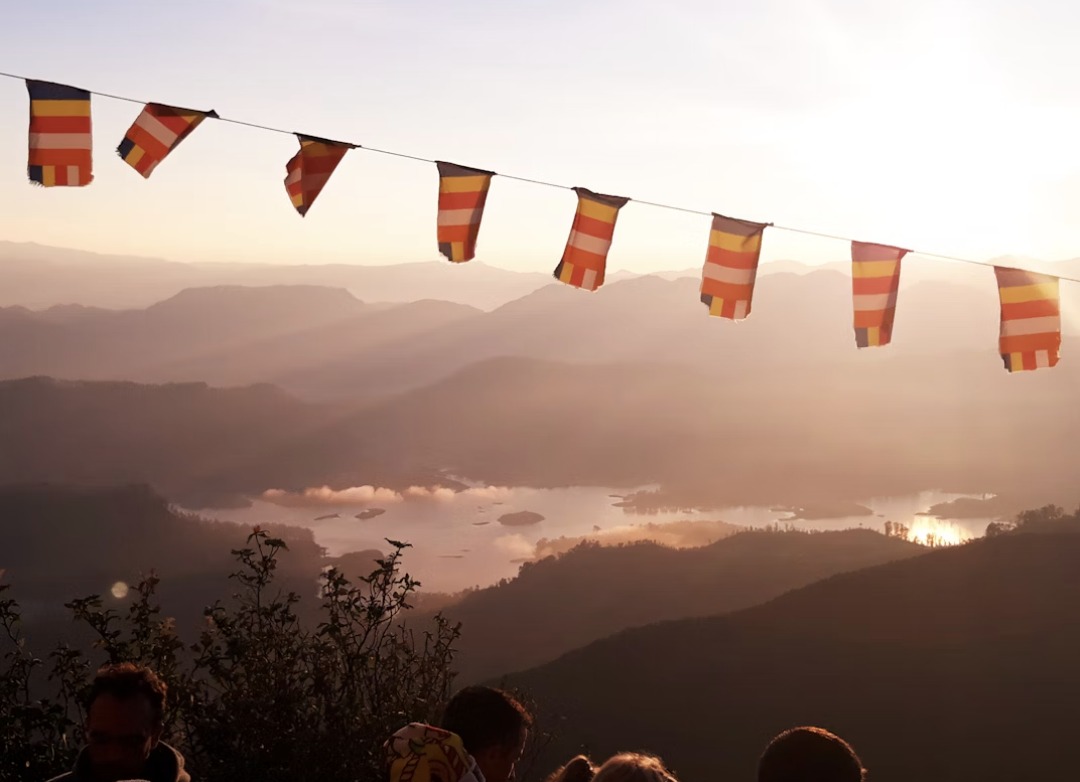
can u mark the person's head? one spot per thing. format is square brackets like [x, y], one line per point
[124, 719]
[492, 725]
[577, 769]
[809, 755]
[633, 767]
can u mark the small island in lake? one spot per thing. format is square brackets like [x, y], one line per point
[370, 513]
[974, 508]
[525, 518]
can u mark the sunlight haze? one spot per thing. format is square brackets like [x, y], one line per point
[713, 479]
[947, 127]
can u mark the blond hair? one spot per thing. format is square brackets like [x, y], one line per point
[577, 769]
[634, 767]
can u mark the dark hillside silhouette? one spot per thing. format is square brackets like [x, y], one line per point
[559, 603]
[956, 665]
[61, 542]
[185, 440]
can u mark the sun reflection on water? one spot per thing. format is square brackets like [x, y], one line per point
[934, 532]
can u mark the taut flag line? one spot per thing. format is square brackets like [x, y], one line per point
[60, 154]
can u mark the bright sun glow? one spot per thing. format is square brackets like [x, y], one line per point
[119, 590]
[934, 532]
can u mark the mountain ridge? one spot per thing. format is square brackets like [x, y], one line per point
[592, 591]
[932, 666]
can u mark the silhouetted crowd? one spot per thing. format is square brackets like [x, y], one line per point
[480, 738]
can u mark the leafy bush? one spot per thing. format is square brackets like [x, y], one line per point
[259, 694]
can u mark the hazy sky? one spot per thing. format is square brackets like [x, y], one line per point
[946, 126]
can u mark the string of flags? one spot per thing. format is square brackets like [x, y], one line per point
[60, 155]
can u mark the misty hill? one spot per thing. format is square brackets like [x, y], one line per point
[374, 348]
[797, 319]
[917, 268]
[822, 433]
[955, 665]
[197, 445]
[39, 277]
[326, 344]
[783, 437]
[557, 604]
[187, 441]
[226, 335]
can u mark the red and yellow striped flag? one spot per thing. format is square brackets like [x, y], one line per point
[585, 257]
[462, 194]
[156, 132]
[60, 140]
[875, 280]
[1030, 319]
[309, 169]
[727, 281]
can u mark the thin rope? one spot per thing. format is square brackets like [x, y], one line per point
[527, 180]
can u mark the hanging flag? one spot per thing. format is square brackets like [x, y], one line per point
[310, 168]
[875, 280]
[1030, 319]
[727, 281]
[462, 194]
[585, 257]
[60, 142]
[156, 132]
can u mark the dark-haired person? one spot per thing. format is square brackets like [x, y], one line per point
[492, 725]
[810, 755]
[480, 739]
[125, 712]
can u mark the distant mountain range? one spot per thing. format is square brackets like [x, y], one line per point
[324, 343]
[225, 335]
[956, 665]
[40, 277]
[629, 386]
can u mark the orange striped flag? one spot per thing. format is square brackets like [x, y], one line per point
[309, 169]
[60, 141]
[875, 280]
[585, 257]
[462, 194]
[1030, 319]
[156, 132]
[727, 281]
